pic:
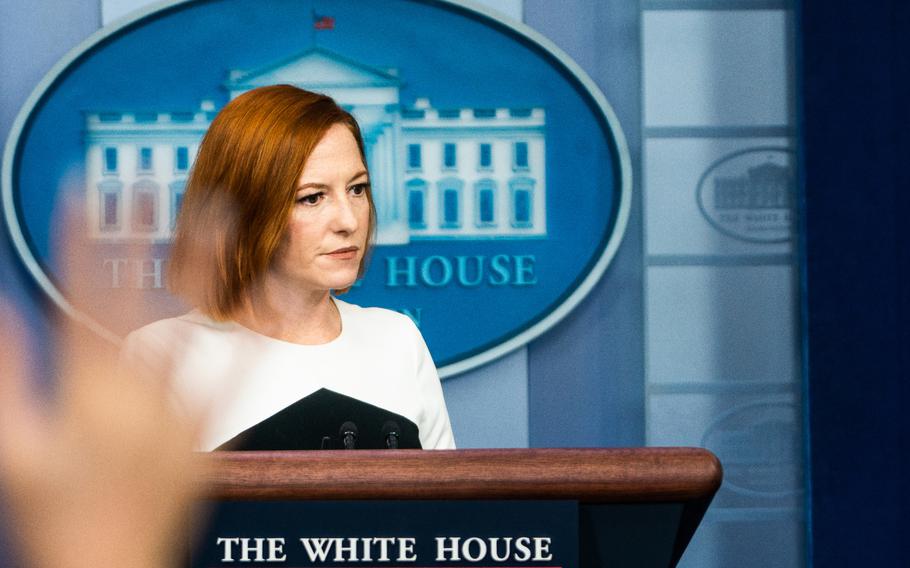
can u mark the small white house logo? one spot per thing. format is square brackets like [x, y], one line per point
[749, 195]
[758, 444]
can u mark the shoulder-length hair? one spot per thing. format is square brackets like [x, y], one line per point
[240, 192]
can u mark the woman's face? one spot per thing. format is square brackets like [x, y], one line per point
[330, 218]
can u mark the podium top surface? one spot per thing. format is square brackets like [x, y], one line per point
[611, 475]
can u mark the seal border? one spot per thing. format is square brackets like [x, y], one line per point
[566, 305]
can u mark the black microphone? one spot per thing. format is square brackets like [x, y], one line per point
[391, 432]
[348, 433]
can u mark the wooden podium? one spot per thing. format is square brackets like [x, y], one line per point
[637, 507]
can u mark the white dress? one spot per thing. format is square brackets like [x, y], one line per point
[243, 377]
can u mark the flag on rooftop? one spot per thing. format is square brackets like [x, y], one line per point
[323, 22]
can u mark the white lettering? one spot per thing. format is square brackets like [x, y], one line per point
[437, 271]
[384, 542]
[499, 265]
[354, 549]
[248, 545]
[367, 549]
[481, 549]
[497, 554]
[426, 271]
[409, 271]
[276, 550]
[317, 548]
[142, 274]
[447, 552]
[228, 543]
[524, 270]
[462, 262]
[341, 550]
[116, 274]
[406, 550]
[542, 549]
[523, 549]
[499, 549]
[254, 549]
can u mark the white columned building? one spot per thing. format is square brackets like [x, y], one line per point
[447, 173]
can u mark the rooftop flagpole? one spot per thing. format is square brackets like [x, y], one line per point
[313, 27]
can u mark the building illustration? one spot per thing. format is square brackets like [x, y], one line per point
[766, 186]
[437, 173]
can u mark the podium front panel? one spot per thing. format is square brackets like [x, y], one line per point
[379, 534]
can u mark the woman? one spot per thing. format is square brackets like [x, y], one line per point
[278, 215]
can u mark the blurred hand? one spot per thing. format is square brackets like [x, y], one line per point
[103, 474]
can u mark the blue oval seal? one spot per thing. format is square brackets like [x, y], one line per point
[502, 183]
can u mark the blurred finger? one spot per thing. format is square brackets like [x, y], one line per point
[22, 423]
[86, 347]
[97, 399]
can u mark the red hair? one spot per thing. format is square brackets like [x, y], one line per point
[241, 189]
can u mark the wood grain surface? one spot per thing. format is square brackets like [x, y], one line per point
[587, 475]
